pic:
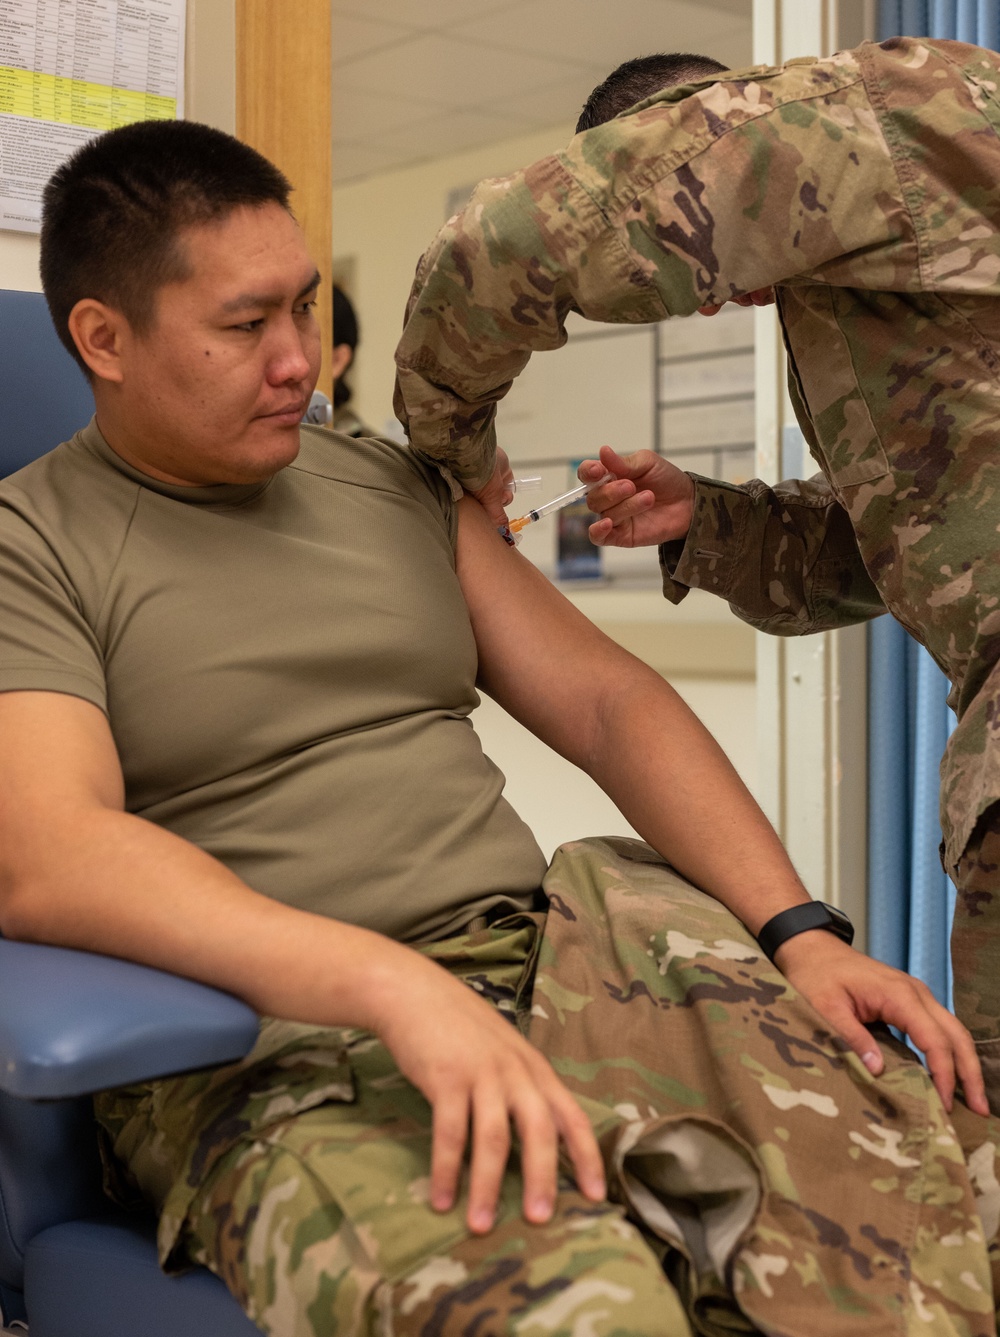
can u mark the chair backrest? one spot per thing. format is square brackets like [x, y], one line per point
[48, 1159]
[44, 396]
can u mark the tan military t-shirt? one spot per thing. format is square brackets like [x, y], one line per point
[288, 669]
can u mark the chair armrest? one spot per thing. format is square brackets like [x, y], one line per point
[73, 1023]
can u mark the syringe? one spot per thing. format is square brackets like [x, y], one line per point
[557, 504]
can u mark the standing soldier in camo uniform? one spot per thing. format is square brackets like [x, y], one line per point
[866, 188]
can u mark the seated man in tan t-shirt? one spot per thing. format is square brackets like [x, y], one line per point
[237, 665]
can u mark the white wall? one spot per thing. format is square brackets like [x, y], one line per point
[19, 262]
[381, 227]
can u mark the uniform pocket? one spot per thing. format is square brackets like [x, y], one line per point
[872, 463]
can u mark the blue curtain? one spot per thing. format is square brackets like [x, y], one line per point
[976, 21]
[910, 901]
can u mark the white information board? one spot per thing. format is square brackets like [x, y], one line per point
[70, 69]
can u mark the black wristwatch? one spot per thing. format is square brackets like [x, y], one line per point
[800, 919]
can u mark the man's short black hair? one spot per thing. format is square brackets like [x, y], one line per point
[635, 80]
[111, 214]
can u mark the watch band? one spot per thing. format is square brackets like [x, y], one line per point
[800, 919]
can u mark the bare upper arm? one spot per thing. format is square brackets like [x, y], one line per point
[539, 657]
[56, 751]
[58, 768]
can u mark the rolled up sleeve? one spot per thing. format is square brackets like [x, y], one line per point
[785, 558]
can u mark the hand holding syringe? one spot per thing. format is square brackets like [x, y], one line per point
[549, 507]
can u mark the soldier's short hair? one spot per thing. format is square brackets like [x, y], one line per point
[635, 80]
[112, 213]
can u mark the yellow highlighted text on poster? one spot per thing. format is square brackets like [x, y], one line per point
[49, 97]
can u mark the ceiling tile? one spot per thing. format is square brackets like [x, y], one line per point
[353, 37]
[601, 34]
[358, 115]
[444, 69]
[352, 161]
[450, 133]
[498, 68]
[421, 14]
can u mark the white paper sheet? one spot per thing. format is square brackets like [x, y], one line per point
[70, 69]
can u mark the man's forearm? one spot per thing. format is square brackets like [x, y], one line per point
[106, 881]
[615, 718]
[93, 877]
[675, 785]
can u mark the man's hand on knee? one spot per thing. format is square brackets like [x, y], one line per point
[850, 990]
[480, 1075]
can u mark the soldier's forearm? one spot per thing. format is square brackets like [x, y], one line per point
[784, 558]
[495, 286]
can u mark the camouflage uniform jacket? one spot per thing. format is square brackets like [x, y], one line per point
[867, 186]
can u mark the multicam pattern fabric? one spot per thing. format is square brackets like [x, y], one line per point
[975, 945]
[760, 1179]
[867, 187]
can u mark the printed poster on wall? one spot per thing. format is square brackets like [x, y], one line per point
[70, 69]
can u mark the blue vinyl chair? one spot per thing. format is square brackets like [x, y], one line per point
[72, 1023]
[44, 396]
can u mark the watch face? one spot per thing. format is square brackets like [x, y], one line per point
[841, 925]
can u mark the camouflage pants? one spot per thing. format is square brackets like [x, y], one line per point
[761, 1179]
[975, 945]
